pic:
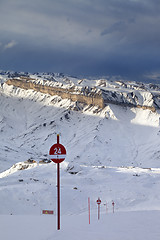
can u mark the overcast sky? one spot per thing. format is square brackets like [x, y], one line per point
[81, 37]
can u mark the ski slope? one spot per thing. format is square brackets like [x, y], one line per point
[111, 153]
[127, 225]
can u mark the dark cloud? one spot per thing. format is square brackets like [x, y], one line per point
[117, 26]
[84, 37]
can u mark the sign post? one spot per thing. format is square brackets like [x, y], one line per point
[89, 210]
[106, 207]
[98, 202]
[57, 154]
[113, 205]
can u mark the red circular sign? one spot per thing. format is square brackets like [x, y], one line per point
[99, 201]
[57, 153]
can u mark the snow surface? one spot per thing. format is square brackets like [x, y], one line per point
[112, 153]
[127, 226]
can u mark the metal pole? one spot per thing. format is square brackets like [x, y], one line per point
[113, 206]
[58, 197]
[89, 210]
[98, 211]
[57, 138]
[58, 191]
[106, 207]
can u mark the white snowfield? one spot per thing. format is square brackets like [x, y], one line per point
[122, 225]
[112, 153]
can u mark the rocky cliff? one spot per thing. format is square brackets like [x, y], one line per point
[89, 96]
[100, 94]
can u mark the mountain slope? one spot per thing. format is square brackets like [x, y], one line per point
[112, 153]
[120, 136]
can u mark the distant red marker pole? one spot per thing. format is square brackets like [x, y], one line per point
[99, 202]
[89, 210]
[113, 205]
[106, 207]
[57, 154]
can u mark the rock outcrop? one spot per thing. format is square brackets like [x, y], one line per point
[89, 96]
[99, 95]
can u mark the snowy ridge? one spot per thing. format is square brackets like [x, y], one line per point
[115, 92]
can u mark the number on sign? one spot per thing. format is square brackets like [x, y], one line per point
[57, 151]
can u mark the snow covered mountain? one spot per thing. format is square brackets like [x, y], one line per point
[99, 92]
[112, 152]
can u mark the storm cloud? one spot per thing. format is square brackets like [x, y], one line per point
[82, 37]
